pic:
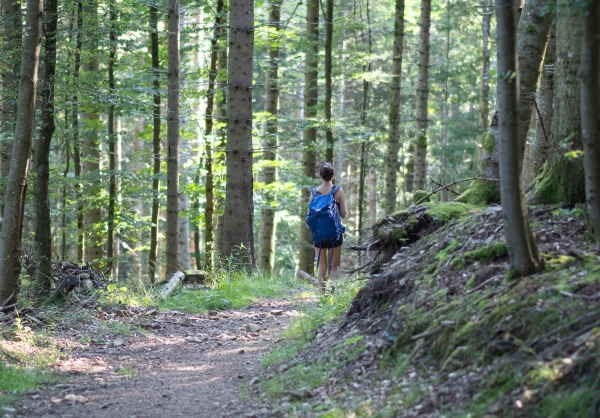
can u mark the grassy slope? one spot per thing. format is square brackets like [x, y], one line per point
[441, 331]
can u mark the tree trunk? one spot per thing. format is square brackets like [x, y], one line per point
[590, 111]
[112, 187]
[75, 128]
[11, 52]
[238, 239]
[221, 131]
[541, 144]
[173, 140]
[43, 229]
[372, 196]
[484, 82]
[522, 249]
[10, 241]
[532, 37]
[328, 80]
[394, 111]
[208, 133]
[422, 98]
[90, 151]
[269, 172]
[311, 74]
[562, 178]
[155, 140]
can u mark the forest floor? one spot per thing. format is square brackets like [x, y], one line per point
[160, 363]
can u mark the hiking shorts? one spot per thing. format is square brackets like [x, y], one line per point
[330, 243]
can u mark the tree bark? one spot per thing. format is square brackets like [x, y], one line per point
[173, 140]
[394, 111]
[155, 140]
[11, 53]
[269, 172]
[532, 37]
[372, 196]
[10, 241]
[75, 129]
[484, 82]
[522, 249]
[90, 150]
[562, 178]
[422, 98]
[311, 74]
[541, 144]
[238, 238]
[208, 132]
[43, 229]
[590, 111]
[112, 187]
[329, 145]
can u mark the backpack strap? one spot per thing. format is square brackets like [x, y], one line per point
[334, 190]
[313, 192]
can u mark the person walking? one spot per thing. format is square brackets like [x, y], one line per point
[326, 208]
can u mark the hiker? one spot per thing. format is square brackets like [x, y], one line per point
[327, 230]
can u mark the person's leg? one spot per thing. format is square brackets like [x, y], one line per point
[336, 262]
[322, 271]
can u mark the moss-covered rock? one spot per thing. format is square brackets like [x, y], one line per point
[489, 253]
[445, 212]
[420, 194]
[480, 192]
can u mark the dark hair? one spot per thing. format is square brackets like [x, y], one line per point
[326, 171]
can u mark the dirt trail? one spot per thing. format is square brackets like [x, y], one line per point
[192, 367]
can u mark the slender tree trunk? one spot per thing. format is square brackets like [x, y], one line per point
[311, 74]
[446, 108]
[422, 98]
[155, 140]
[562, 178]
[372, 196]
[43, 229]
[238, 237]
[269, 172]
[90, 151]
[11, 52]
[112, 193]
[484, 82]
[10, 241]
[541, 144]
[532, 37]
[75, 129]
[221, 131]
[394, 111]
[590, 111]
[328, 81]
[522, 249]
[173, 140]
[208, 132]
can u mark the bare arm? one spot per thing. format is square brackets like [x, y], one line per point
[340, 197]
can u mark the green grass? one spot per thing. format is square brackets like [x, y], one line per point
[16, 379]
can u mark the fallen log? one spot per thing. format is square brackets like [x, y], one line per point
[172, 284]
[304, 276]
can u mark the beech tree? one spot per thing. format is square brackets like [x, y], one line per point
[311, 75]
[421, 116]
[590, 111]
[522, 249]
[10, 240]
[238, 239]
[394, 112]
[328, 79]
[269, 172]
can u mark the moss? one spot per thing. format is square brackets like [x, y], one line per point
[480, 192]
[511, 274]
[489, 143]
[458, 263]
[421, 141]
[470, 283]
[489, 253]
[561, 181]
[420, 194]
[445, 212]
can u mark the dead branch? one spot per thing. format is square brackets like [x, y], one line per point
[571, 337]
[537, 109]
[171, 285]
[441, 185]
[485, 283]
[424, 198]
[304, 276]
[584, 297]
[426, 333]
[567, 325]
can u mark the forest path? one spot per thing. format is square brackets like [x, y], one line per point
[186, 365]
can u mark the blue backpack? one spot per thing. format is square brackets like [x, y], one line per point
[323, 218]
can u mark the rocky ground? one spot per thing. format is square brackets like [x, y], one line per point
[181, 365]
